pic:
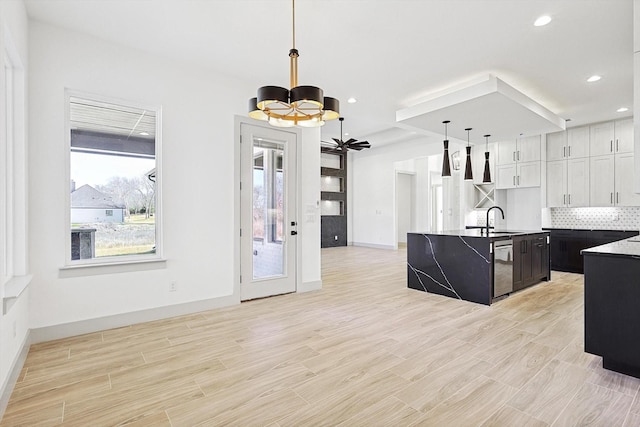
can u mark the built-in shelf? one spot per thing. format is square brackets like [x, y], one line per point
[331, 208]
[331, 184]
[484, 195]
[331, 160]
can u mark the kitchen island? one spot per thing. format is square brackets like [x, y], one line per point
[611, 304]
[460, 263]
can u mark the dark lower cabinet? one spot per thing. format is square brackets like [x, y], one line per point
[539, 257]
[530, 260]
[566, 246]
[611, 315]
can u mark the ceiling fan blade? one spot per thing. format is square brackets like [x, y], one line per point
[363, 143]
[338, 141]
[350, 141]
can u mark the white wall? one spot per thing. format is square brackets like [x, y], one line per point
[198, 160]
[14, 316]
[373, 188]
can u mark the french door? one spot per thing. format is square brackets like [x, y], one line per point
[267, 211]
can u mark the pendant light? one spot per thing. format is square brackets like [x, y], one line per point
[487, 172]
[446, 165]
[468, 173]
[304, 106]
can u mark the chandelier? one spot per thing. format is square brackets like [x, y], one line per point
[299, 106]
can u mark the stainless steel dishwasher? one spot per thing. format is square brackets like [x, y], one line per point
[502, 267]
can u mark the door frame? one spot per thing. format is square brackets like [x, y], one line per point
[237, 247]
[413, 182]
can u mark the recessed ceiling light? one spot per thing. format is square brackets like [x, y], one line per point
[622, 109]
[144, 133]
[352, 100]
[594, 78]
[346, 134]
[543, 20]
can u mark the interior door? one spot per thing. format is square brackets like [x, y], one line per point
[267, 211]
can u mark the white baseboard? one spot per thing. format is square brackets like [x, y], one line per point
[14, 374]
[373, 245]
[315, 285]
[81, 327]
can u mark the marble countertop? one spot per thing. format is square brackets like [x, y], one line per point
[585, 229]
[474, 232]
[626, 247]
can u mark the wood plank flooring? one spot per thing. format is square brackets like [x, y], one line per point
[363, 351]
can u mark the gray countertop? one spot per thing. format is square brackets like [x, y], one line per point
[626, 247]
[493, 234]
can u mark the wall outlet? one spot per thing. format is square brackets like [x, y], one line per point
[173, 286]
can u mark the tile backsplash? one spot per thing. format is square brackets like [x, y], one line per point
[618, 218]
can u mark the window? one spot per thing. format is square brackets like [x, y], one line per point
[268, 192]
[114, 180]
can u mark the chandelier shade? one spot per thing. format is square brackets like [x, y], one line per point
[304, 106]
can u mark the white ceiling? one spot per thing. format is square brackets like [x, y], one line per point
[389, 54]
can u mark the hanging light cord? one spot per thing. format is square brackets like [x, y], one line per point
[293, 19]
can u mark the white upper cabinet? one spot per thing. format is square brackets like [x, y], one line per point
[594, 167]
[624, 136]
[612, 137]
[518, 163]
[521, 150]
[602, 184]
[507, 152]
[602, 139]
[577, 182]
[528, 149]
[568, 183]
[577, 142]
[556, 146]
[625, 195]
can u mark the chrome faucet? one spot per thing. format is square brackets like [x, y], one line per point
[489, 210]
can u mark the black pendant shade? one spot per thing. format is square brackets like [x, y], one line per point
[446, 164]
[487, 172]
[468, 173]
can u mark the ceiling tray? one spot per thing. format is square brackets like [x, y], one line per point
[489, 107]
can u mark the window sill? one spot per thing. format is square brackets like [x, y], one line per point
[13, 289]
[97, 268]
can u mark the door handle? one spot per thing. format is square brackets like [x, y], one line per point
[617, 148]
[611, 146]
[518, 155]
[611, 198]
[564, 199]
[617, 199]
[294, 233]
[564, 151]
[569, 196]
[514, 180]
[518, 179]
[514, 156]
[569, 151]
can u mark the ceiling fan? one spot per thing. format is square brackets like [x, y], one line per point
[351, 144]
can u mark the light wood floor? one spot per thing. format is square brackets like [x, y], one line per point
[364, 351]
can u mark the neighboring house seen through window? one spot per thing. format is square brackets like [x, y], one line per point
[113, 188]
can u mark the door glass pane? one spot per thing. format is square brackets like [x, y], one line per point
[268, 209]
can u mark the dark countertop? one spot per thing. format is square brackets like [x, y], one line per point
[583, 229]
[627, 247]
[477, 233]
